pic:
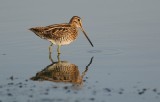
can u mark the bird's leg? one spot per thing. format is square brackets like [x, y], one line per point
[58, 49]
[50, 53]
[50, 48]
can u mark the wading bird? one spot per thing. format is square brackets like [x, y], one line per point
[61, 34]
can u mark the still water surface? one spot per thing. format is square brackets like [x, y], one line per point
[123, 66]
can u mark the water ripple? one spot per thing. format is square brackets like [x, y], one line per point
[108, 51]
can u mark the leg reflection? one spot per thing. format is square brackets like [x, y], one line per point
[50, 53]
[58, 57]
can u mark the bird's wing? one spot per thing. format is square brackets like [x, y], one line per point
[57, 31]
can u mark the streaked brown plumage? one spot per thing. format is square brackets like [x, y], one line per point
[62, 71]
[61, 34]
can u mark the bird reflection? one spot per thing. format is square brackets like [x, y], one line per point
[62, 71]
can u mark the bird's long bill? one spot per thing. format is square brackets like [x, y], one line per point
[87, 37]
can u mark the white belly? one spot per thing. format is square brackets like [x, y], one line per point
[61, 42]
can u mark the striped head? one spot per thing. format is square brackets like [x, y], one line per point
[77, 22]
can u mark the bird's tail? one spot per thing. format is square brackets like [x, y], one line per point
[38, 31]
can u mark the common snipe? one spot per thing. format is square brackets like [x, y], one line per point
[61, 34]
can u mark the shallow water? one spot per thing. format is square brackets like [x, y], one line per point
[126, 59]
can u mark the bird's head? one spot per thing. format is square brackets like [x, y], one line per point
[77, 22]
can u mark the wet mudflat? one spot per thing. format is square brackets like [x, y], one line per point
[123, 65]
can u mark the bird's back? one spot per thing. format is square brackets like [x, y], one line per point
[59, 34]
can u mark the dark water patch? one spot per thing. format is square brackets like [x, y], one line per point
[47, 100]
[55, 87]
[94, 92]
[12, 78]
[30, 96]
[92, 99]
[142, 91]
[96, 81]
[107, 89]
[86, 77]
[84, 80]
[154, 90]
[121, 91]
[75, 92]
[65, 87]
[30, 90]
[11, 83]
[4, 54]
[68, 91]
[10, 94]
